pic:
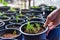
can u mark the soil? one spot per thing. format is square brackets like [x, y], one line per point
[13, 27]
[9, 35]
[14, 21]
[3, 18]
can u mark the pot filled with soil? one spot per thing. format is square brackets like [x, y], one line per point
[37, 19]
[5, 19]
[13, 26]
[35, 12]
[18, 21]
[9, 34]
[51, 8]
[4, 8]
[11, 14]
[37, 8]
[26, 12]
[2, 25]
[22, 17]
[33, 31]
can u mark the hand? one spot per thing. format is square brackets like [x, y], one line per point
[52, 20]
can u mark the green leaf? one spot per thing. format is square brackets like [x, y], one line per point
[12, 9]
[1, 14]
[14, 32]
[17, 18]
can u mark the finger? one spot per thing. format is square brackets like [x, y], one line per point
[47, 22]
[50, 24]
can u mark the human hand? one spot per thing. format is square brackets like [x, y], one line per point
[52, 20]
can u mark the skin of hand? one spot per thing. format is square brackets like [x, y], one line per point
[53, 19]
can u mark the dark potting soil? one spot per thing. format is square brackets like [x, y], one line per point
[3, 18]
[15, 21]
[13, 26]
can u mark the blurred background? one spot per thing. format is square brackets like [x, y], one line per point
[25, 3]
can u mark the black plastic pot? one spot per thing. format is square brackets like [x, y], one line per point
[37, 9]
[20, 21]
[17, 10]
[42, 5]
[12, 26]
[11, 14]
[23, 17]
[52, 7]
[36, 12]
[38, 36]
[2, 25]
[26, 12]
[4, 8]
[4, 31]
[5, 19]
[37, 19]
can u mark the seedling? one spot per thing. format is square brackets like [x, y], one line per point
[1, 14]
[4, 2]
[35, 7]
[21, 14]
[32, 28]
[12, 9]
[38, 26]
[14, 32]
[17, 17]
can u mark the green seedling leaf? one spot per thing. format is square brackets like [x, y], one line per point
[14, 32]
[38, 26]
[1, 14]
[17, 18]
[0, 1]
[21, 14]
[12, 9]
[5, 3]
[34, 17]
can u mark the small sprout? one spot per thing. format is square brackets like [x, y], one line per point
[12, 9]
[17, 18]
[52, 7]
[4, 15]
[34, 17]
[21, 14]
[38, 26]
[35, 7]
[4, 2]
[14, 32]
[1, 14]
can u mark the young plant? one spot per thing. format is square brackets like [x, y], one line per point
[17, 17]
[4, 2]
[21, 14]
[38, 26]
[1, 14]
[12, 9]
[35, 7]
[14, 32]
[30, 28]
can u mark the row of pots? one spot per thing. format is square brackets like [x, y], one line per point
[11, 24]
[11, 29]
